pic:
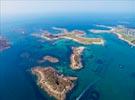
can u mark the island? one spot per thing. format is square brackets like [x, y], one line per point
[123, 33]
[49, 59]
[76, 62]
[75, 35]
[52, 82]
[4, 44]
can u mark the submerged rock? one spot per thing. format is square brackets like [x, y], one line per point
[4, 44]
[25, 55]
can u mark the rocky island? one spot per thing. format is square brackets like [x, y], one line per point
[4, 44]
[75, 58]
[54, 83]
[49, 59]
[75, 35]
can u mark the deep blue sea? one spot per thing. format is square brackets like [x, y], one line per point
[108, 72]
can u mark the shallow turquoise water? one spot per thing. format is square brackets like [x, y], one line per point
[112, 65]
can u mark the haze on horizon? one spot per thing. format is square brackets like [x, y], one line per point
[25, 7]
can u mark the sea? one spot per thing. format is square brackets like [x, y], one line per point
[108, 71]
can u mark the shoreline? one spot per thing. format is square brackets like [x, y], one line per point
[4, 44]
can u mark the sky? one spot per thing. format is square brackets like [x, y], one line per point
[26, 7]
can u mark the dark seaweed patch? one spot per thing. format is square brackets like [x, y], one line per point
[91, 56]
[133, 75]
[99, 61]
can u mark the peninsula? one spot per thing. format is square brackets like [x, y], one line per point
[52, 82]
[76, 62]
[123, 33]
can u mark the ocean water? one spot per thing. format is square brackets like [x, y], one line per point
[108, 73]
